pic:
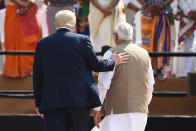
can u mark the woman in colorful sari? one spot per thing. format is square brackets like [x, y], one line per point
[103, 16]
[21, 33]
[155, 29]
[82, 18]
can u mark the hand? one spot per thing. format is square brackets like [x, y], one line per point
[160, 8]
[106, 11]
[97, 118]
[22, 10]
[132, 7]
[39, 114]
[120, 58]
[46, 2]
[24, 3]
[154, 10]
[150, 8]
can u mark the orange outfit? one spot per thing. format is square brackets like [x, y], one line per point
[22, 34]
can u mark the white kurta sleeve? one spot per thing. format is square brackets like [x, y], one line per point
[184, 6]
[150, 82]
[104, 81]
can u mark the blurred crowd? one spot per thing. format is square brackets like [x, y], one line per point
[159, 25]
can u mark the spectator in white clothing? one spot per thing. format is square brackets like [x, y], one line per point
[187, 17]
[131, 8]
[128, 89]
[2, 20]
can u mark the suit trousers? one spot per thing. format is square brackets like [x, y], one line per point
[67, 119]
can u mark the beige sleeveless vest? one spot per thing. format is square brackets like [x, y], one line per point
[129, 87]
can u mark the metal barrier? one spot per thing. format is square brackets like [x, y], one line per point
[151, 54]
[17, 94]
[17, 52]
[29, 94]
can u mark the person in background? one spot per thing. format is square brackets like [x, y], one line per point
[127, 89]
[22, 33]
[53, 7]
[155, 31]
[2, 4]
[131, 8]
[103, 16]
[82, 18]
[187, 17]
[42, 17]
[2, 16]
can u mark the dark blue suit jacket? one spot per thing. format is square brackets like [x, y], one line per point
[62, 72]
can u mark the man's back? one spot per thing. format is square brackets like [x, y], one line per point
[66, 77]
[129, 83]
[62, 57]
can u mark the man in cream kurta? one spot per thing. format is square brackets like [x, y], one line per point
[132, 11]
[128, 89]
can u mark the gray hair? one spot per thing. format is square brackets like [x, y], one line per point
[65, 18]
[124, 31]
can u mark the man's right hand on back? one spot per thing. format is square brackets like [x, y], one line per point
[120, 58]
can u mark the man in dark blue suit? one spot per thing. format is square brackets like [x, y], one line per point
[63, 83]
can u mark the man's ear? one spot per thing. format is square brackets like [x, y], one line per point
[115, 37]
[73, 29]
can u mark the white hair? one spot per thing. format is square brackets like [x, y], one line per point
[65, 18]
[124, 31]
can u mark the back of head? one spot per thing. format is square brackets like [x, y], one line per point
[124, 31]
[65, 18]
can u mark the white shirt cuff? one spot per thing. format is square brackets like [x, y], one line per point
[97, 108]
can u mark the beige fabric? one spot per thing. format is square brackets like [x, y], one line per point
[101, 29]
[129, 87]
